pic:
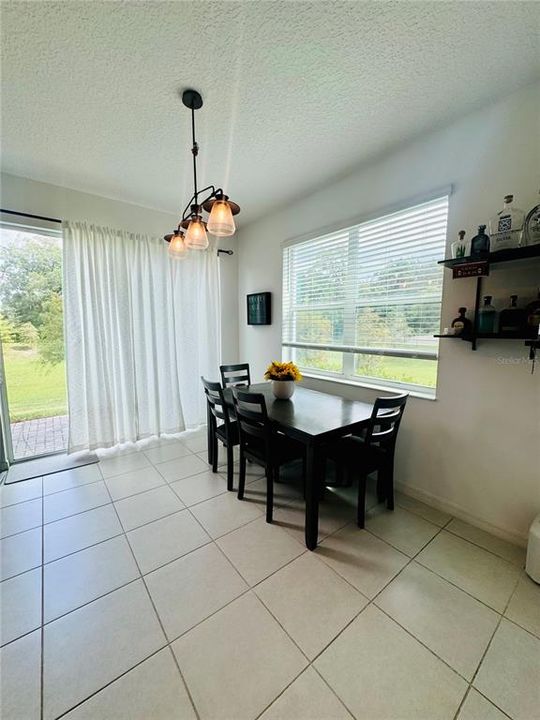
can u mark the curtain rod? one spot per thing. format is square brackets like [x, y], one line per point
[28, 215]
[56, 220]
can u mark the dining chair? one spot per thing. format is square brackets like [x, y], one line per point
[226, 432]
[233, 375]
[371, 451]
[261, 444]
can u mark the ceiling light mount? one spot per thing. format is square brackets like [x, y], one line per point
[220, 209]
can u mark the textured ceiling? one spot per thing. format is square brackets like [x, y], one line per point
[295, 92]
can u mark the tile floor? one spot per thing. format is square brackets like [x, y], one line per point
[139, 588]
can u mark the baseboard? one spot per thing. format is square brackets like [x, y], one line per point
[457, 511]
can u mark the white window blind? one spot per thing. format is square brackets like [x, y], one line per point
[365, 301]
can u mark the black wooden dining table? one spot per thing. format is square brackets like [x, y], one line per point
[313, 418]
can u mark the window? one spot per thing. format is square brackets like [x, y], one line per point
[363, 303]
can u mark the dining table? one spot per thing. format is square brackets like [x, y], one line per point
[313, 418]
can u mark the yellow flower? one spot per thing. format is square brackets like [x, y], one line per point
[282, 371]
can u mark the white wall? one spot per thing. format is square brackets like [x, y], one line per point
[474, 450]
[24, 195]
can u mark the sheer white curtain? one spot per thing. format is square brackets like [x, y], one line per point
[140, 331]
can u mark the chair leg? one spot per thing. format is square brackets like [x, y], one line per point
[271, 473]
[381, 485]
[215, 454]
[361, 506]
[209, 434]
[230, 467]
[389, 484]
[242, 476]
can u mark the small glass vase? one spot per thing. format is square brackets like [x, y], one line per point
[283, 389]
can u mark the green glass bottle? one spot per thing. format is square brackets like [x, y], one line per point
[487, 317]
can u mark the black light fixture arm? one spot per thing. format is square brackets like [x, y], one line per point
[194, 201]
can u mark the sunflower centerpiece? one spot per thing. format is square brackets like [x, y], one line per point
[283, 376]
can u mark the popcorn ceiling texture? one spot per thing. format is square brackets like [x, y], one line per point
[295, 93]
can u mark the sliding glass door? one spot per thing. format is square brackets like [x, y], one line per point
[32, 371]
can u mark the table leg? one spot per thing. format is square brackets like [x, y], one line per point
[312, 496]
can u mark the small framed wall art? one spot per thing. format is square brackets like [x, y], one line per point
[259, 308]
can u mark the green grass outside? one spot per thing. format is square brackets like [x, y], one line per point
[35, 390]
[416, 372]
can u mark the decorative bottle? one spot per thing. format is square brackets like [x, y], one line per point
[532, 226]
[487, 317]
[480, 243]
[461, 324]
[459, 247]
[506, 227]
[532, 318]
[512, 318]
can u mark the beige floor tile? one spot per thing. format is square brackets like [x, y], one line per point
[133, 482]
[252, 469]
[20, 605]
[166, 539]
[238, 661]
[69, 479]
[88, 648]
[84, 576]
[404, 530]
[451, 623]
[333, 515]
[476, 707]
[259, 549]
[20, 517]
[20, 491]
[510, 671]
[182, 467]
[190, 589]
[524, 607]
[152, 691]
[311, 602]
[20, 679]
[431, 514]
[145, 507]
[80, 531]
[308, 698]
[70, 502]
[480, 573]
[196, 443]
[121, 463]
[224, 513]
[380, 671]
[167, 452]
[506, 550]
[197, 488]
[19, 553]
[362, 559]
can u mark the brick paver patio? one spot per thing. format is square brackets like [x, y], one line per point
[39, 437]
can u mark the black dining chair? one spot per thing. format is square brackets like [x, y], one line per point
[234, 375]
[226, 432]
[371, 451]
[261, 444]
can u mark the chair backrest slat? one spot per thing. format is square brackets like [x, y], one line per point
[385, 421]
[216, 401]
[252, 416]
[235, 375]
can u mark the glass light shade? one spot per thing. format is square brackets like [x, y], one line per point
[177, 247]
[196, 238]
[221, 221]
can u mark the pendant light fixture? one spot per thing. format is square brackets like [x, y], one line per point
[191, 231]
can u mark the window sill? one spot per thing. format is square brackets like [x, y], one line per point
[372, 386]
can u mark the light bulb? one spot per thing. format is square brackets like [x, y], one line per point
[221, 221]
[196, 238]
[177, 247]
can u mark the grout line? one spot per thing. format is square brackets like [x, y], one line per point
[157, 616]
[252, 589]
